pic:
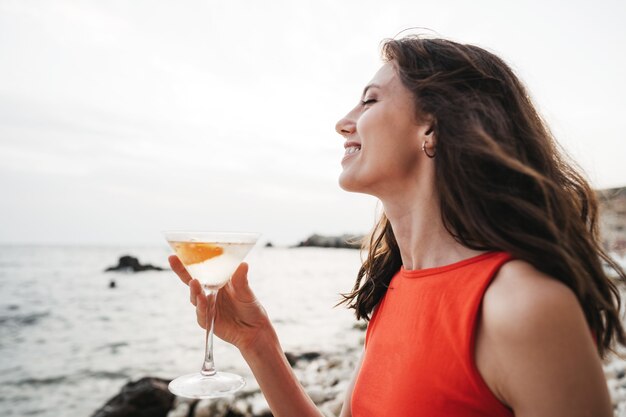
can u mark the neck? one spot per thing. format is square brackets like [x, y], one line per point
[422, 238]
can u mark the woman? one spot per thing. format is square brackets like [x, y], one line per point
[483, 283]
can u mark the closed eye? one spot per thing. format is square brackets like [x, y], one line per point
[366, 102]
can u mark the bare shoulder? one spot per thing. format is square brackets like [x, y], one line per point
[535, 349]
[520, 295]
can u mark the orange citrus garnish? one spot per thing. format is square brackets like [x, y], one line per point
[193, 253]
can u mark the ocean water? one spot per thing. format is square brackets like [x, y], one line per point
[68, 342]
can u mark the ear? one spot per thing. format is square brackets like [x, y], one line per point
[426, 133]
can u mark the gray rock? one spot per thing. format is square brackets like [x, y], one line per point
[294, 358]
[148, 397]
[129, 263]
[180, 410]
[343, 241]
[259, 406]
[332, 408]
[211, 408]
[241, 406]
[317, 394]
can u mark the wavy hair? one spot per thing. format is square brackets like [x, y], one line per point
[503, 182]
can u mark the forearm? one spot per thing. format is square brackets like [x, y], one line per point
[281, 388]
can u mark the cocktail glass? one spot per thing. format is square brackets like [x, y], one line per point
[211, 258]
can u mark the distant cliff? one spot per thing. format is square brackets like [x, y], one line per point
[613, 219]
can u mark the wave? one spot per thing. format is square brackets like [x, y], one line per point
[84, 374]
[23, 319]
[105, 374]
[42, 381]
[112, 347]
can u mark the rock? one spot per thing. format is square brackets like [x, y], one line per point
[269, 245]
[258, 406]
[615, 369]
[333, 407]
[360, 325]
[148, 397]
[241, 407]
[343, 241]
[129, 263]
[181, 410]
[309, 356]
[249, 406]
[293, 358]
[211, 408]
[317, 394]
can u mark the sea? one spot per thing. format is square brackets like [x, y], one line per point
[69, 342]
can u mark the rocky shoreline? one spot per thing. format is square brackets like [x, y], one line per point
[324, 376]
[615, 374]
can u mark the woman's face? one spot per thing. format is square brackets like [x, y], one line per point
[382, 137]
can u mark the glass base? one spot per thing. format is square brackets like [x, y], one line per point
[196, 385]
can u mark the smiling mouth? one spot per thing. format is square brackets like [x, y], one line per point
[352, 150]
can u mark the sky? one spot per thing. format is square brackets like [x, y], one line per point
[120, 119]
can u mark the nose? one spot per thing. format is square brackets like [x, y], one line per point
[345, 126]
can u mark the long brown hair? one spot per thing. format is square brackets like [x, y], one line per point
[503, 182]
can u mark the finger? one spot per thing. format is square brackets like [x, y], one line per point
[201, 310]
[177, 266]
[242, 290]
[195, 289]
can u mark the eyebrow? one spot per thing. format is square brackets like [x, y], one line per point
[367, 87]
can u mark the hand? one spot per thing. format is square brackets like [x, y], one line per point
[239, 319]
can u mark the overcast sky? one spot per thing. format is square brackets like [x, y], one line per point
[119, 119]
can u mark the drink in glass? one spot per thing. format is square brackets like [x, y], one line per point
[211, 258]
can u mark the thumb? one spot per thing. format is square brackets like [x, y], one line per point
[239, 282]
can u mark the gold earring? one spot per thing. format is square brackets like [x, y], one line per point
[431, 156]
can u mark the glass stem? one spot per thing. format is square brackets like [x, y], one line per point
[208, 367]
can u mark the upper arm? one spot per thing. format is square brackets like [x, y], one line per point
[346, 410]
[540, 347]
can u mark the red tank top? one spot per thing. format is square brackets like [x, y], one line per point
[419, 345]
